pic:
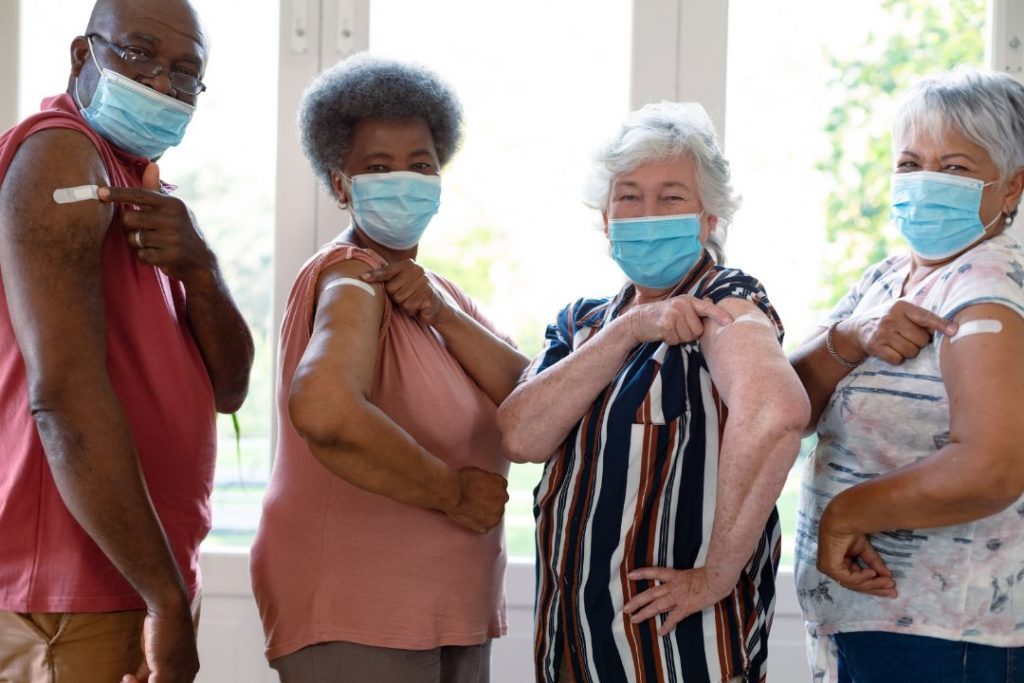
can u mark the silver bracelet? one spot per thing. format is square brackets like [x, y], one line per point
[832, 349]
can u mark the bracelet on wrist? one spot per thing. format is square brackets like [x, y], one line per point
[832, 348]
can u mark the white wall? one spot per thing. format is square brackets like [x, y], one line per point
[231, 642]
[9, 31]
[1005, 44]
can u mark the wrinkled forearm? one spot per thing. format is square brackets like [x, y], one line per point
[363, 446]
[754, 462]
[538, 415]
[956, 485]
[223, 338]
[819, 373]
[494, 365]
[89, 447]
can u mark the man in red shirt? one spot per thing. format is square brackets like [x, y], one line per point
[118, 343]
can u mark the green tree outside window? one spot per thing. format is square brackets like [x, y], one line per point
[922, 37]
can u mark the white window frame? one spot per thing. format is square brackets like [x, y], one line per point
[10, 32]
[679, 53]
[1004, 50]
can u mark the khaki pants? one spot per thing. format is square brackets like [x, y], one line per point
[69, 648]
[74, 647]
[340, 662]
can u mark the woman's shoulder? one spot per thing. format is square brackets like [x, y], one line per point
[303, 290]
[1003, 249]
[993, 271]
[335, 252]
[724, 281]
[997, 260]
[588, 311]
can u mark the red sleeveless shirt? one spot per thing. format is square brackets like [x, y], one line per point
[47, 562]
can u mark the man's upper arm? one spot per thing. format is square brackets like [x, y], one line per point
[50, 257]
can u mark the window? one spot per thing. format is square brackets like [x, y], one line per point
[226, 173]
[542, 85]
[810, 145]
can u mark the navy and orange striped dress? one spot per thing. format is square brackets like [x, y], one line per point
[633, 486]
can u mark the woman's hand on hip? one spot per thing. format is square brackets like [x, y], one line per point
[680, 592]
[847, 557]
[893, 333]
[407, 284]
[674, 321]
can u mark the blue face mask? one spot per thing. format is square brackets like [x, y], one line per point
[393, 209]
[937, 213]
[656, 251]
[134, 117]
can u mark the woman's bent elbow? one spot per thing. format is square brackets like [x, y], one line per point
[518, 445]
[515, 448]
[1008, 489]
[317, 420]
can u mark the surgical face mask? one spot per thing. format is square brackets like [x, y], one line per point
[937, 213]
[132, 116]
[393, 209]
[656, 251]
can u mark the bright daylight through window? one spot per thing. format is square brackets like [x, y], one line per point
[806, 130]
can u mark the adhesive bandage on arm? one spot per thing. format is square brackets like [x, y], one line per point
[68, 195]
[745, 318]
[352, 283]
[976, 327]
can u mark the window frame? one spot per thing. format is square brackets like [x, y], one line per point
[10, 51]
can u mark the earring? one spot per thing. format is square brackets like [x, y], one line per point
[1008, 221]
[342, 204]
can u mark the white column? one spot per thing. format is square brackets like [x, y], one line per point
[679, 53]
[9, 32]
[1005, 46]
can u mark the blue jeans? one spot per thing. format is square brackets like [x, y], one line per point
[879, 657]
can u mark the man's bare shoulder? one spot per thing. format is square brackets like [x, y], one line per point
[44, 162]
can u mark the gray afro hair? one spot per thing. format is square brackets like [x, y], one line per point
[367, 87]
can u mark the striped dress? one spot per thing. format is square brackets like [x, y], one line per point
[633, 486]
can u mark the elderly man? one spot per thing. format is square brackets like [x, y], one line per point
[118, 343]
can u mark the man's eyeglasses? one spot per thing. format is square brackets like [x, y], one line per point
[148, 67]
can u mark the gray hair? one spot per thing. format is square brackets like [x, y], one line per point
[986, 107]
[367, 87]
[666, 131]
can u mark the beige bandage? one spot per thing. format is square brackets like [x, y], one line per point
[746, 318]
[976, 327]
[67, 195]
[352, 283]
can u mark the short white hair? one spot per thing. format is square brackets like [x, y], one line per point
[665, 131]
[985, 107]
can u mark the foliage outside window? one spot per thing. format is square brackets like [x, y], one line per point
[921, 37]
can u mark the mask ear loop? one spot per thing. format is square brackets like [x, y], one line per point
[99, 70]
[342, 204]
